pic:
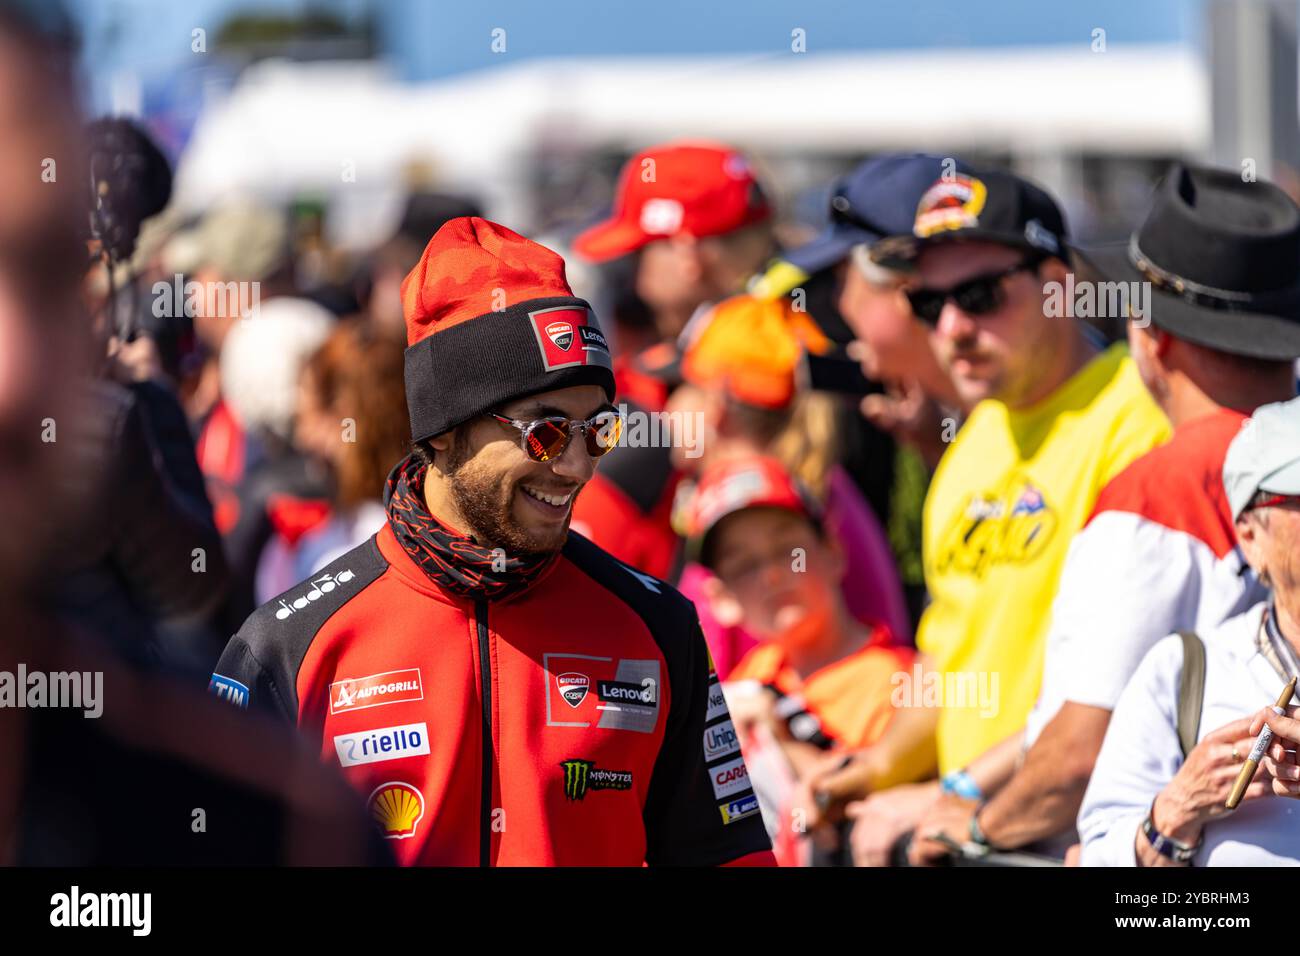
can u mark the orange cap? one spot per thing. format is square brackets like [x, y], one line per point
[750, 348]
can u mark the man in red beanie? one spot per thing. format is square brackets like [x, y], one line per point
[503, 692]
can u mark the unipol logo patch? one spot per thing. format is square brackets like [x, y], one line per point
[568, 336]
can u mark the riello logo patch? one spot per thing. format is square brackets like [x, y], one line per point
[567, 337]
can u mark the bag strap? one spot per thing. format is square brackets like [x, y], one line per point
[1191, 691]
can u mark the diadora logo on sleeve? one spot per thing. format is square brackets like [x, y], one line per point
[397, 807]
[730, 777]
[735, 810]
[229, 690]
[316, 589]
[390, 687]
[386, 743]
[720, 740]
[567, 336]
[626, 693]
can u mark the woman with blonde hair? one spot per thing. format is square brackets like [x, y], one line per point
[352, 416]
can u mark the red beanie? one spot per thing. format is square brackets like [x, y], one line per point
[490, 318]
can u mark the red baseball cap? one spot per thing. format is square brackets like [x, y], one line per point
[699, 189]
[737, 485]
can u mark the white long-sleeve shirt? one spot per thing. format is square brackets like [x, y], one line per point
[1159, 555]
[1141, 754]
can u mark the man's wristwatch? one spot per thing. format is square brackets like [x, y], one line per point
[976, 831]
[1167, 847]
[959, 783]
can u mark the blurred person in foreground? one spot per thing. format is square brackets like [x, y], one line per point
[474, 662]
[1170, 759]
[140, 560]
[740, 399]
[699, 225]
[1055, 416]
[1158, 554]
[147, 748]
[820, 679]
[351, 415]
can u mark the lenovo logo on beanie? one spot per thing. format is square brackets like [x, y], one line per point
[490, 318]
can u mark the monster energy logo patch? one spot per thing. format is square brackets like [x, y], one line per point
[582, 775]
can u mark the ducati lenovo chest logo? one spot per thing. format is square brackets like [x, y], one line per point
[583, 690]
[573, 687]
[561, 333]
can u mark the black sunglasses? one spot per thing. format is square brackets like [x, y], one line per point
[546, 438]
[979, 295]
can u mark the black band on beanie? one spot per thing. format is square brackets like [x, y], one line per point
[481, 363]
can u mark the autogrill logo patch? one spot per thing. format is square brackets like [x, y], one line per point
[390, 687]
[580, 776]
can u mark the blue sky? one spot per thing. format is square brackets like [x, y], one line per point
[431, 38]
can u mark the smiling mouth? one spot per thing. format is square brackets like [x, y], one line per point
[555, 501]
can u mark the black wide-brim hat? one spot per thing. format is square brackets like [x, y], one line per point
[1222, 256]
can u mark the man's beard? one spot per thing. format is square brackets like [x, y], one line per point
[484, 502]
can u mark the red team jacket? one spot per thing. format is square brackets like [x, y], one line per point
[579, 722]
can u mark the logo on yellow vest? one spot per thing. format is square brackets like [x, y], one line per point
[1010, 525]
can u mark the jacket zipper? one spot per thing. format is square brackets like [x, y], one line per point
[485, 676]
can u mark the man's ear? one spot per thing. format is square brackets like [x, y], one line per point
[726, 609]
[1053, 269]
[442, 442]
[1252, 546]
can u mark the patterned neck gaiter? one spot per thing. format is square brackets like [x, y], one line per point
[454, 562]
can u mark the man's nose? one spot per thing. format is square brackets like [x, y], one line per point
[954, 324]
[576, 464]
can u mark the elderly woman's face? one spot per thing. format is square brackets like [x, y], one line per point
[1270, 538]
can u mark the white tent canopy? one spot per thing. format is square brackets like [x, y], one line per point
[289, 128]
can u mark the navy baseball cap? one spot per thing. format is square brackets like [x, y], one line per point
[877, 198]
[990, 206]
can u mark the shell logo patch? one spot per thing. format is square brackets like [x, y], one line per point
[398, 808]
[952, 203]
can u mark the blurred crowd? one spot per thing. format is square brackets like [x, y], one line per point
[985, 580]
